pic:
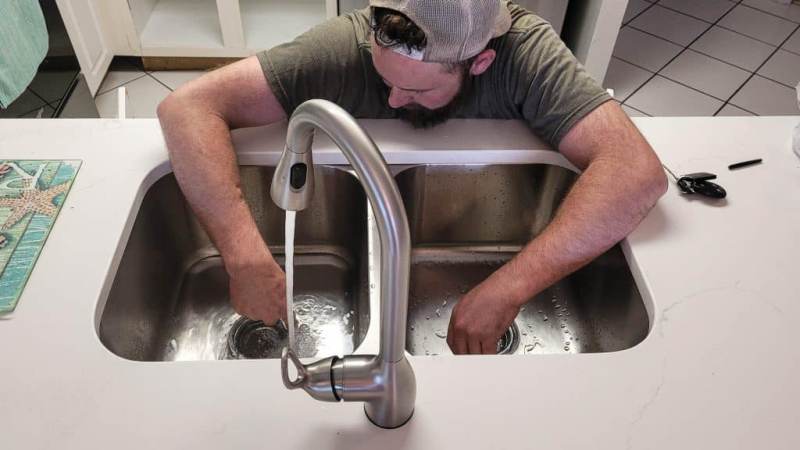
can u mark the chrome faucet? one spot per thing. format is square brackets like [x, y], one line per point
[384, 382]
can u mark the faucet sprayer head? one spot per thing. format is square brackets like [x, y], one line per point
[293, 183]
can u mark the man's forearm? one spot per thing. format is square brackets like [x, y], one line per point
[205, 166]
[594, 216]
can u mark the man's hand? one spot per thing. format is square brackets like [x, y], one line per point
[259, 292]
[480, 318]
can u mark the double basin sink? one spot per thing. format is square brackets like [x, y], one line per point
[169, 298]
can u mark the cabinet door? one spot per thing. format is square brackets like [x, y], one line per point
[83, 22]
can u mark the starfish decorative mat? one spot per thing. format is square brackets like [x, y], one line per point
[31, 195]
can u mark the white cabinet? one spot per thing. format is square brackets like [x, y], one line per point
[222, 28]
[84, 22]
[102, 29]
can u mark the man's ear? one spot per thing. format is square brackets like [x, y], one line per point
[482, 62]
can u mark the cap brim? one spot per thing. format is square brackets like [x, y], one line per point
[503, 21]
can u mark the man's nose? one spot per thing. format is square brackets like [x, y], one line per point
[398, 98]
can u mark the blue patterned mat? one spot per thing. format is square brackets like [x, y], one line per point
[31, 195]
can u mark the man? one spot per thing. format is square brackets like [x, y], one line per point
[423, 61]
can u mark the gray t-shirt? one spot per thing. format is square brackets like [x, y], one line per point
[534, 77]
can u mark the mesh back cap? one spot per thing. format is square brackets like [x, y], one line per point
[455, 30]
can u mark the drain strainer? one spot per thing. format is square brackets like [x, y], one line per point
[253, 339]
[510, 341]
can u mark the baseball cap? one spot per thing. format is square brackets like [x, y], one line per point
[455, 30]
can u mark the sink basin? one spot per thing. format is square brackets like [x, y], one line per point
[169, 298]
[467, 221]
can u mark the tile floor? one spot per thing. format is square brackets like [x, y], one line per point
[672, 58]
[145, 89]
[707, 58]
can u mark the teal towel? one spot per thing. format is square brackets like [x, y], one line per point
[23, 46]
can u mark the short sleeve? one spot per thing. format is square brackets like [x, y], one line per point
[322, 63]
[559, 92]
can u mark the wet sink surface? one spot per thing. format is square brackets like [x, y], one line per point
[467, 221]
[169, 299]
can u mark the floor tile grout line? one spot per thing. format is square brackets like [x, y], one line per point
[769, 13]
[691, 16]
[735, 4]
[755, 73]
[99, 93]
[637, 15]
[751, 37]
[36, 94]
[637, 110]
[706, 54]
[721, 60]
[688, 87]
[628, 25]
[776, 81]
[710, 26]
[716, 23]
[160, 82]
[663, 75]
[674, 58]
[789, 51]
[702, 34]
[716, 114]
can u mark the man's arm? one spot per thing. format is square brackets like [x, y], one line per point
[595, 215]
[196, 120]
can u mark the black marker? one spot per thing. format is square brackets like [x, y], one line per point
[742, 164]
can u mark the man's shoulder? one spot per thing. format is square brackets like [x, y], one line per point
[524, 21]
[360, 20]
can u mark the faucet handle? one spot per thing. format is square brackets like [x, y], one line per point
[315, 378]
[302, 374]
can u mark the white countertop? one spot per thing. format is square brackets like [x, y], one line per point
[721, 284]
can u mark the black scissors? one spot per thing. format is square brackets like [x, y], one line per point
[699, 183]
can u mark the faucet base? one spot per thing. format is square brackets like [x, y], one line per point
[395, 406]
[387, 427]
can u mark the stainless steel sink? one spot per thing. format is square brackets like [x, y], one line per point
[466, 221]
[169, 299]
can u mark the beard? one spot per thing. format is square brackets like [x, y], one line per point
[421, 117]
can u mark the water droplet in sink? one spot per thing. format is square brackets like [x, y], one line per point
[529, 348]
[437, 313]
[427, 317]
[412, 327]
[545, 318]
[563, 325]
[173, 345]
[441, 334]
[444, 303]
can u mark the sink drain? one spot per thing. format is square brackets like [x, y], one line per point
[510, 341]
[253, 339]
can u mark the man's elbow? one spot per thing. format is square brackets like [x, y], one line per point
[657, 182]
[169, 108]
